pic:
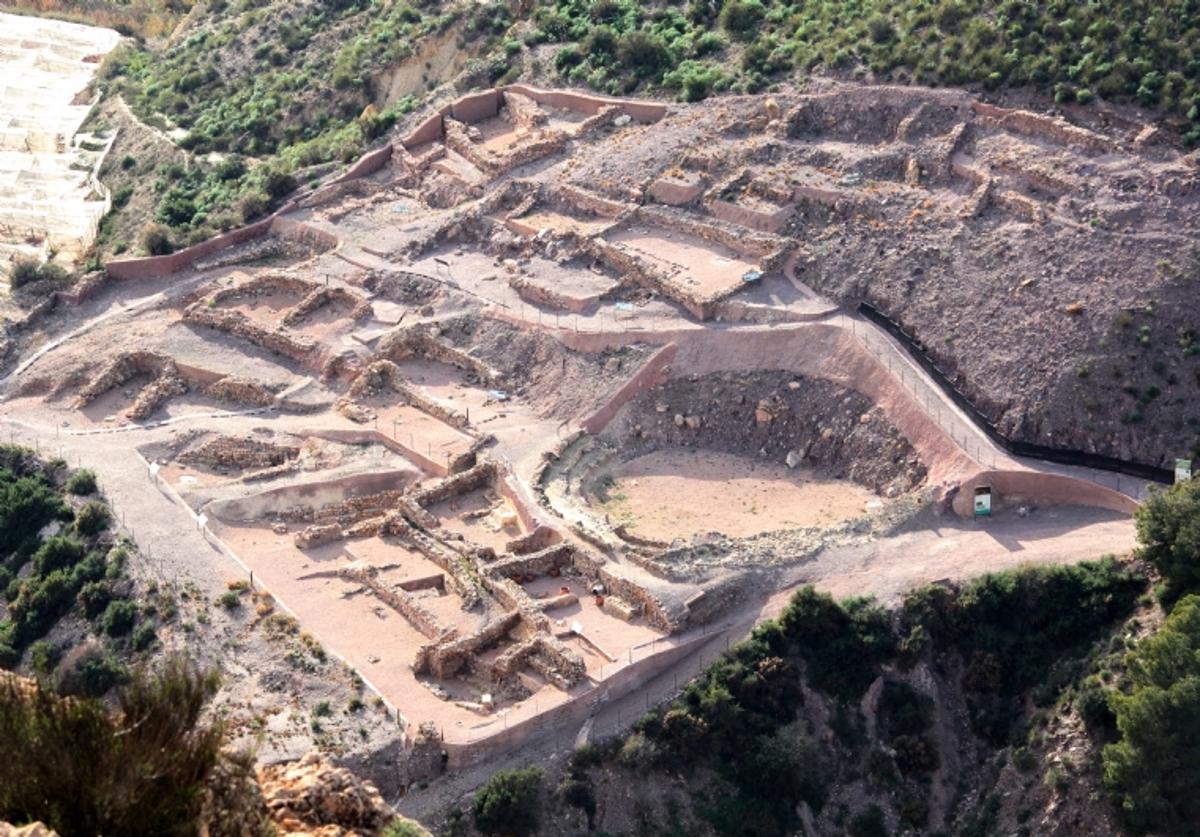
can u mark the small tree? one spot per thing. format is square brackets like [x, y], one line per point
[510, 803]
[1168, 529]
[1153, 772]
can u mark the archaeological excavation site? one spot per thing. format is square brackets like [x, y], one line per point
[526, 407]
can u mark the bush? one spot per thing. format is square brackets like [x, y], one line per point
[510, 803]
[94, 597]
[82, 768]
[741, 18]
[1013, 628]
[644, 54]
[280, 184]
[82, 482]
[43, 656]
[1169, 535]
[27, 504]
[156, 240]
[144, 636]
[1153, 772]
[24, 272]
[92, 519]
[94, 674]
[119, 617]
[578, 793]
[27, 271]
[252, 206]
[230, 600]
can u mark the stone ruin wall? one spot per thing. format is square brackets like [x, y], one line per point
[240, 453]
[403, 602]
[319, 298]
[483, 474]
[447, 658]
[382, 375]
[416, 341]
[1043, 127]
[240, 391]
[587, 201]
[293, 346]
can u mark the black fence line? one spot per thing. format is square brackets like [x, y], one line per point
[1062, 456]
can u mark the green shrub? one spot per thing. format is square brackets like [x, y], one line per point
[578, 793]
[643, 54]
[92, 519]
[144, 636]
[27, 271]
[82, 482]
[1168, 534]
[43, 656]
[82, 768]
[510, 803]
[119, 617]
[1153, 771]
[1013, 628]
[94, 674]
[230, 600]
[94, 597]
[280, 184]
[742, 18]
[156, 240]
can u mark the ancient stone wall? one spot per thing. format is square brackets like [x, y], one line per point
[317, 535]
[753, 219]
[294, 346]
[416, 340]
[675, 191]
[359, 306]
[240, 453]
[383, 375]
[240, 391]
[534, 564]
[446, 658]
[587, 201]
[1043, 127]
[739, 240]
[455, 485]
[401, 601]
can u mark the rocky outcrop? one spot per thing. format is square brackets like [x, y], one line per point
[312, 796]
[35, 829]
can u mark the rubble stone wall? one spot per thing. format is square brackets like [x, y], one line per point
[401, 601]
[591, 202]
[319, 298]
[446, 658]
[738, 240]
[456, 485]
[534, 564]
[240, 391]
[234, 452]
[294, 346]
[768, 222]
[1044, 127]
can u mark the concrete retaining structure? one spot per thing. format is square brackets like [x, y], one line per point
[1016, 488]
[654, 372]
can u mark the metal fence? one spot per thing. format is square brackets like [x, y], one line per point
[1061, 456]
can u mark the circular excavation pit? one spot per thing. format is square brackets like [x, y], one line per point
[680, 493]
[738, 454]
